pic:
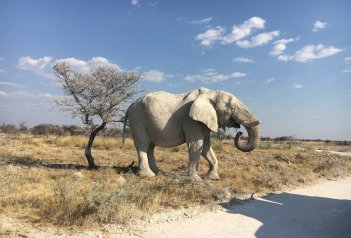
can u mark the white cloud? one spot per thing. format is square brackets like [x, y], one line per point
[238, 74]
[318, 25]
[210, 36]
[269, 80]
[202, 21]
[243, 30]
[43, 66]
[30, 95]
[280, 46]
[2, 94]
[82, 66]
[154, 76]
[244, 60]
[217, 34]
[2, 59]
[258, 40]
[297, 86]
[10, 84]
[311, 52]
[135, 3]
[347, 60]
[212, 76]
[346, 71]
[3, 71]
[36, 66]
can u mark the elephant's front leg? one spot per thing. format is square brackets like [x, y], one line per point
[210, 156]
[195, 150]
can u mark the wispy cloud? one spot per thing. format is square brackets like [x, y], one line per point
[30, 95]
[82, 66]
[155, 76]
[2, 94]
[33, 65]
[280, 46]
[346, 71]
[243, 60]
[202, 21]
[258, 40]
[310, 53]
[43, 66]
[269, 80]
[211, 36]
[37, 66]
[318, 25]
[212, 76]
[297, 86]
[135, 3]
[238, 33]
[10, 84]
[241, 31]
[347, 60]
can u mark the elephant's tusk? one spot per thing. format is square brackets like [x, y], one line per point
[254, 123]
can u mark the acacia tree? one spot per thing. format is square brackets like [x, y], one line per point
[96, 97]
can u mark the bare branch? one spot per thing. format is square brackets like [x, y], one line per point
[96, 96]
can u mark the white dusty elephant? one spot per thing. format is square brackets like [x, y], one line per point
[166, 120]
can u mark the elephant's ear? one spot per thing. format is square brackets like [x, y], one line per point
[203, 111]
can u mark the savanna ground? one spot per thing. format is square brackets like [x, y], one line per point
[44, 180]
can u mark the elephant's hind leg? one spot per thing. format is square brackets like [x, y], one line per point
[152, 160]
[144, 169]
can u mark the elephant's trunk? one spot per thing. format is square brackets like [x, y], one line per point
[253, 131]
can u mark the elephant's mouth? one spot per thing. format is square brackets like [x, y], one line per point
[233, 123]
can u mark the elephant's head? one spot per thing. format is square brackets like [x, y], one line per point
[221, 109]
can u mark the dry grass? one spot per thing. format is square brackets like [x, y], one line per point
[44, 178]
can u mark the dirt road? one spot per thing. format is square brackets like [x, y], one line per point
[322, 210]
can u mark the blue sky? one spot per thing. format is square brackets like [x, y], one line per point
[288, 61]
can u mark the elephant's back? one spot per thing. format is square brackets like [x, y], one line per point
[160, 115]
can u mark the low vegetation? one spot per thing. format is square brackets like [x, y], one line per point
[45, 180]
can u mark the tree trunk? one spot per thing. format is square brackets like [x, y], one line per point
[92, 136]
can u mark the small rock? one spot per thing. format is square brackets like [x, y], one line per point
[78, 175]
[120, 180]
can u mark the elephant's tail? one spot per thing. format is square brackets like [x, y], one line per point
[125, 121]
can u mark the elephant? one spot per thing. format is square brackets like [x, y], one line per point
[166, 120]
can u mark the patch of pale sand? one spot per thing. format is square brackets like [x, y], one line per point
[347, 153]
[341, 153]
[322, 210]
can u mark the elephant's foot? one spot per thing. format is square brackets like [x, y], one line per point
[156, 170]
[146, 173]
[195, 178]
[212, 175]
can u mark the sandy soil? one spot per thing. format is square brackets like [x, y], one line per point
[322, 210]
[337, 152]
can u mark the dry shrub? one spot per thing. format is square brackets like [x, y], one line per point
[76, 201]
[217, 146]
[9, 179]
[332, 168]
